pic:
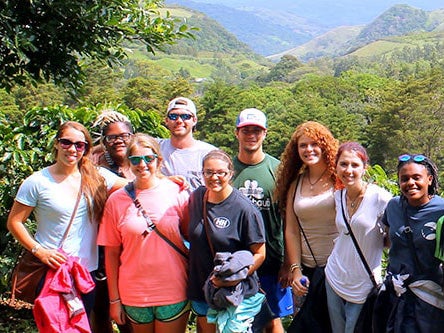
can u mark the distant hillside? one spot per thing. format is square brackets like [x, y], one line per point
[214, 52]
[211, 36]
[265, 31]
[399, 20]
[330, 44]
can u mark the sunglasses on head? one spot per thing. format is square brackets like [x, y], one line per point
[66, 144]
[415, 158]
[135, 160]
[183, 116]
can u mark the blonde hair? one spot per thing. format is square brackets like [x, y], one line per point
[142, 140]
[106, 118]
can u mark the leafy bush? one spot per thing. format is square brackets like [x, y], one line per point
[26, 146]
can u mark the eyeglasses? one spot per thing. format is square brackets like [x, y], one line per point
[135, 160]
[66, 144]
[183, 116]
[220, 174]
[113, 138]
[415, 158]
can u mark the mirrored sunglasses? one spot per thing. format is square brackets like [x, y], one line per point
[66, 144]
[415, 158]
[135, 160]
[183, 116]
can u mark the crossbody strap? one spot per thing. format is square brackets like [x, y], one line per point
[409, 234]
[73, 214]
[151, 226]
[355, 242]
[300, 226]
[205, 221]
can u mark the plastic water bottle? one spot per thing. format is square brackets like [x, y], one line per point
[299, 300]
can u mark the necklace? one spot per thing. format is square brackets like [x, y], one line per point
[355, 201]
[317, 180]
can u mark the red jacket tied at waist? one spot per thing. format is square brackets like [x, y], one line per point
[59, 307]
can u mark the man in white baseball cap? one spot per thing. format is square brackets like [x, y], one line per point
[254, 176]
[182, 153]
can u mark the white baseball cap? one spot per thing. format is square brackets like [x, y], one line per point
[251, 117]
[182, 103]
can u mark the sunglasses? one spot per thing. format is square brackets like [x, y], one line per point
[66, 144]
[219, 174]
[113, 138]
[415, 158]
[183, 116]
[135, 160]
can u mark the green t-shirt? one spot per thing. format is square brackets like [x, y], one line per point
[257, 182]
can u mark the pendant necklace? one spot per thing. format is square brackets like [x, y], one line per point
[317, 180]
[355, 201]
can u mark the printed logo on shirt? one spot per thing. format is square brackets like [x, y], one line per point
[221, 222]
[255, 193]
[428, 231]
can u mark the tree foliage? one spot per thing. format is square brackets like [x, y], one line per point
[47, 39]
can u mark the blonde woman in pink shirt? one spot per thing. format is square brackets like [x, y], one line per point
[145, 258]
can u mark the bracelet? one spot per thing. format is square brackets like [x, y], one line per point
[36, 248]
[295, 266]
[114, 301]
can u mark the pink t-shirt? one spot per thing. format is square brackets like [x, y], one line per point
[151, 272]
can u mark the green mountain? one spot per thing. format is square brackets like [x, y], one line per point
[400, 21]
[213, 53]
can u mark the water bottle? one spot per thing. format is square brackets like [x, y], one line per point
[299, 300]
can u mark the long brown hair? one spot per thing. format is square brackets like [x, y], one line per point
[291, 163]
[93, 184]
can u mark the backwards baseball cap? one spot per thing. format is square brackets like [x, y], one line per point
[182, 103]
[251, 117]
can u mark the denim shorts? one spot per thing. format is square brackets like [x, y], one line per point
[165, 313]
[199, 308]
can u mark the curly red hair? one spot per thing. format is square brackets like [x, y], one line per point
[291, 164]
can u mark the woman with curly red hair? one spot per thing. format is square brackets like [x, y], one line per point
[304, 190]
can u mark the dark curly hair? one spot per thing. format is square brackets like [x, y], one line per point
[291, 164]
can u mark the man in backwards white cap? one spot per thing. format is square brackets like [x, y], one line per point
[255, 177]
[182, 154]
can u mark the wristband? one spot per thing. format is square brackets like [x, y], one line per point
[114, 301]
[295, 266]
[36, 248]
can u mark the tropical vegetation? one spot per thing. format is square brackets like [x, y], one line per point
[392, 101]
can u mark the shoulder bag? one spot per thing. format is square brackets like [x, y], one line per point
[364, 323]
[313, 315]
[129, 188]
[30, 271]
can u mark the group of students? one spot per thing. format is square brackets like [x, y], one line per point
[216, 246]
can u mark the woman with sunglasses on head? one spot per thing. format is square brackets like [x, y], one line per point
[224, 222]
[304, 190]
[51, 194]
[414, 274]
[359, 208]
[144, 252]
